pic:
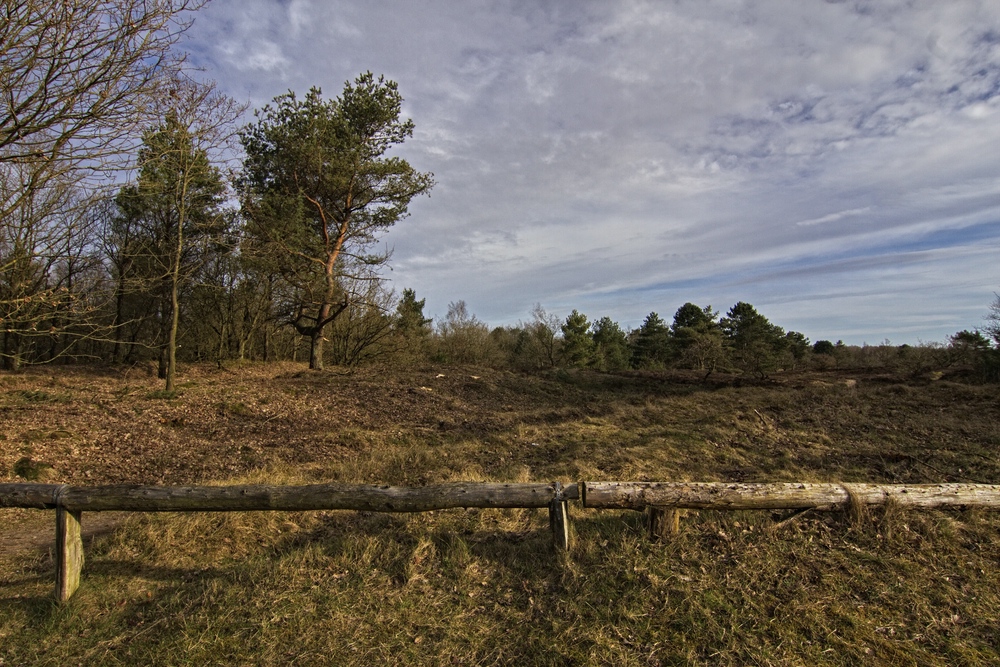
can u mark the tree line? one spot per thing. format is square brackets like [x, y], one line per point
[140, 222]
[698, 338]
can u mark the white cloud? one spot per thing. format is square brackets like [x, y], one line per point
[262, 55]
[632, 156]
[833, 217]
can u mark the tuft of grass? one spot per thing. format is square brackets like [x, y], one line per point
[163, 394]
[39, 396]
[31, 470]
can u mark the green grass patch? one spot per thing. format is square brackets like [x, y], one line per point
[163, 395]
[38, 396]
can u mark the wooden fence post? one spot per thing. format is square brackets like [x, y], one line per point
[69, 553]
[664, 522]
[559, 519]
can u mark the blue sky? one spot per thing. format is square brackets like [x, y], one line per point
[836, 164]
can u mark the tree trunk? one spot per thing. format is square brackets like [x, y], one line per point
[172, 335]
[316, 350]
[14, 349]
[782, 495]
[256, 497]
[116, 356]
[161, 369]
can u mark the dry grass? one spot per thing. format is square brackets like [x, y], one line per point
[485, 587]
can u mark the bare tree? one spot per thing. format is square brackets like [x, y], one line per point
[75, 74]
[77, 81]
[993, 320]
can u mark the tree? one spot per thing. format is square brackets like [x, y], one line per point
[611, 351]
[753, 340]
[318, 191]
[823, 347]
[697, 337]
[462, 337]
[969, 346]
[73, 73]
[410, 326]
[691, 316]
[796, 347]
[993, 321]
[176, 202]
[651, 343]
[362, 331]
[542, 329]
[410, 320]
[75, 78]
[578, 344]
[51, 278]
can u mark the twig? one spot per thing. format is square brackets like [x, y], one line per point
[794, 515]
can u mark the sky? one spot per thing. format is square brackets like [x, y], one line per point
[835, 164]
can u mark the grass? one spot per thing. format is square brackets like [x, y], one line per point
[889, 587]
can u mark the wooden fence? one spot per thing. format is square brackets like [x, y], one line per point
[663, 499]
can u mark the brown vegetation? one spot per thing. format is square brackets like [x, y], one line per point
[484, 587]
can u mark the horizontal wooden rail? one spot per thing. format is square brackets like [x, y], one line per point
[290, 498]
[71, 501]
[663, 499]
[786, 495]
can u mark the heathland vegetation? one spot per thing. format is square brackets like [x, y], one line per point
[888, 587]
[127, 251]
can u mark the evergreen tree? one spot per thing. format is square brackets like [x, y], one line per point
[796, 347]
[578, 343]
[753, 341]
[318, 191]
[697, 338]
[174, 219]
[410, 325]
[611, 351]
[691, 316]
[823, 347]
[410, 319]
[651, 343]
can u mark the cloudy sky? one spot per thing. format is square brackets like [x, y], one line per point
[836, 164]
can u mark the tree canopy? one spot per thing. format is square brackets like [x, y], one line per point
[169, 218]
[319, 190]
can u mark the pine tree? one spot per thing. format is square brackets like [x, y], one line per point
[319, 190]
[578, 344]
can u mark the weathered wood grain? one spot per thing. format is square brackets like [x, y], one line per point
[559, 515]
[309, 497]
[69, 553]
[35, 496]
[663, 522]
[786, 495]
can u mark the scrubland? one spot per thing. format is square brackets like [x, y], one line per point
[485, 586]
